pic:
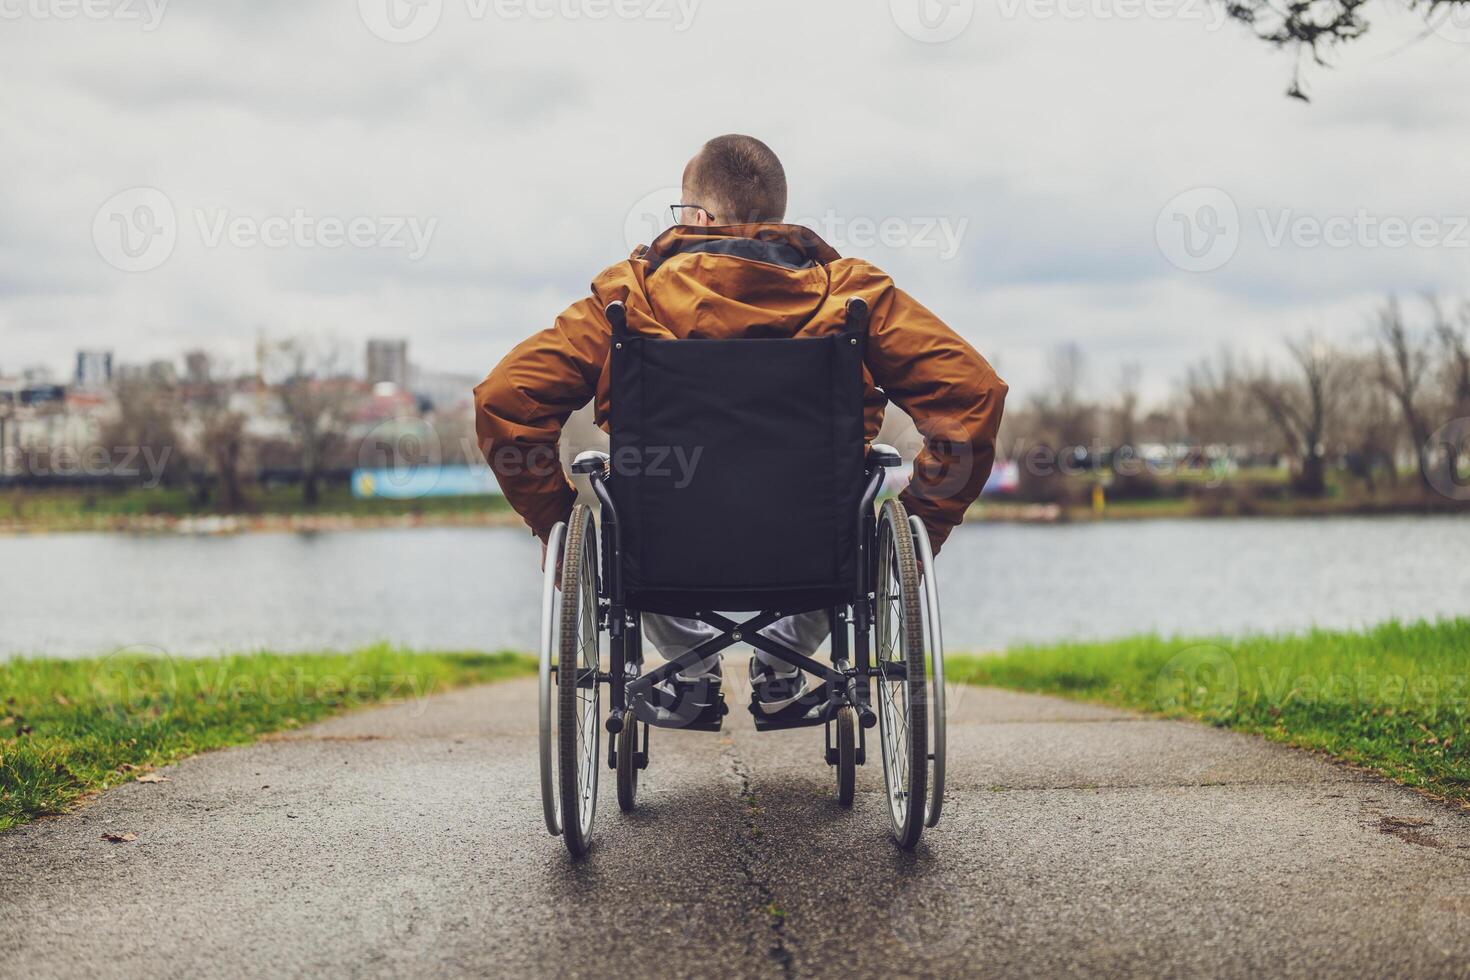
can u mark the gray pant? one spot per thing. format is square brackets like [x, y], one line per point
[675, 635]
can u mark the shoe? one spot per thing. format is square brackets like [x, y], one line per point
[776, 689]
[699, 687]
[707, 671]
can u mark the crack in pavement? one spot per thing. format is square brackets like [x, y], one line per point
[782, 949]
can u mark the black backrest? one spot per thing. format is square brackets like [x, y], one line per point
[737, 466]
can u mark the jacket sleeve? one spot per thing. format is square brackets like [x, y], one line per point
[954, 397]
[521, 407]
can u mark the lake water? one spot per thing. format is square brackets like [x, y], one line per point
[456, 588]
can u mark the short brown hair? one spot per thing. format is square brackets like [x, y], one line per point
[738, 179]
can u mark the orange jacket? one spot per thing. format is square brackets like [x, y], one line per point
[745, 281]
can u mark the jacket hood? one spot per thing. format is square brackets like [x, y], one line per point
[749, 280]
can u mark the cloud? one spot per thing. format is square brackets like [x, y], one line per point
[1050, 144]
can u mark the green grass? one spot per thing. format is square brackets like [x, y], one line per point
[1392, 699]
[62, 508]
[71, 727]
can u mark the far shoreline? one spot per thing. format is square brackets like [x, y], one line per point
[496, 514]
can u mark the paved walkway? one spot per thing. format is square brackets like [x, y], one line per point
[1077, 840]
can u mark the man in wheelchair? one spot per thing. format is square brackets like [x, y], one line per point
[764, 519]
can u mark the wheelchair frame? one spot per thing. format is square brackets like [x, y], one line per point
[894, 587]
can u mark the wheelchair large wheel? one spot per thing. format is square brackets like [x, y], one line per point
[903, 717]
[577, 689]
[934, 637]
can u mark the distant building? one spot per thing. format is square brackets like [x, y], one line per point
[94, 369]
[196, 367]
[162, 372]
[387, 361]
[159, 372]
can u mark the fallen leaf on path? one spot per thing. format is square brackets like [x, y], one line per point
[112, 838]
[153, 777]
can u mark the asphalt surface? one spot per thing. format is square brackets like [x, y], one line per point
[408, 840]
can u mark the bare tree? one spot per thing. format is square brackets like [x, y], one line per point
[1303, 409]
[1313, 29]
[147, 422]
[1063, 414]
[1403, 363]
[1454, 341]
[316, 394]
[1218, 403]
[1125, 407]
[1368, 429]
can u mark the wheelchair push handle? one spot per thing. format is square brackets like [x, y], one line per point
[617, 317]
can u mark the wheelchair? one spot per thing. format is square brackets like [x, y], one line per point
[780, 514]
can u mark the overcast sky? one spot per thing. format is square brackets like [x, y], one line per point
[188, 174]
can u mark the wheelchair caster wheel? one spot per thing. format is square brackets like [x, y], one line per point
[846, 756]
[628, 752]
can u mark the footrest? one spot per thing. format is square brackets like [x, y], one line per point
[798, 714]
[699, 708]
